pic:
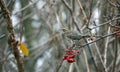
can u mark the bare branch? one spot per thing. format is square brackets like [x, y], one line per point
[87, 65]
[105, 50]
[12, 39]
[85, 16]
[115, 54]
[99, 39]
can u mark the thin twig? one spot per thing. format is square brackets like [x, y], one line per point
[71, 12]
[112, 3]
[99, 39]
[106, 47]
[80, 5]
[88, 70]
[27, 6]
[27, 16]
[77, 67]
[59, 66]
[115, 53]
[71, 67]
[98, 51]
[106, 22]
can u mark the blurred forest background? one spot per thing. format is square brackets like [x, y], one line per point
[48, 27]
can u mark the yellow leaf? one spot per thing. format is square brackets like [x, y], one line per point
[24, 49]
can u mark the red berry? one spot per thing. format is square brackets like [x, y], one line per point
[71, 60]
[64, 57]
[71, 56]
[77, 51]
[117, 34]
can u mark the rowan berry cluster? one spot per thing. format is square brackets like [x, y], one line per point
[70, 54]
